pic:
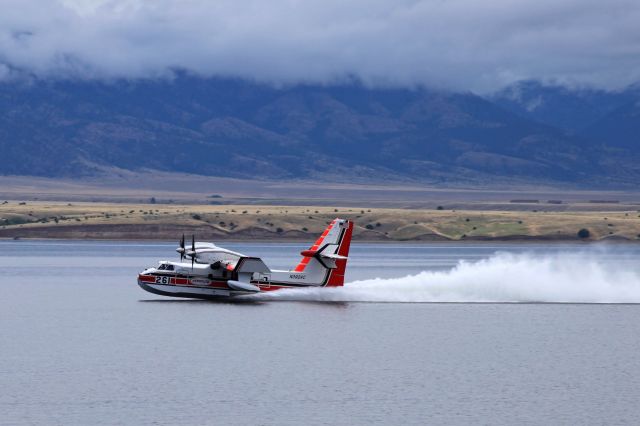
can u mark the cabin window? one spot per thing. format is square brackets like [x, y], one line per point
[230, 257]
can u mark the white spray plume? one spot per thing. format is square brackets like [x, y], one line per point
[559, 278]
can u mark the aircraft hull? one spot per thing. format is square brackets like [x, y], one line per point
[186, 289]
[183, 287]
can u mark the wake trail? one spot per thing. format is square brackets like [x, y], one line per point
[558, 278]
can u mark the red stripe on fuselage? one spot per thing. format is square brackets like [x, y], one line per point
[176, 281]
[183, 281]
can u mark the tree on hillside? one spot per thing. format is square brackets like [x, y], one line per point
[584, 233]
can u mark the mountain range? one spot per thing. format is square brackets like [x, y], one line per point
[526, 133]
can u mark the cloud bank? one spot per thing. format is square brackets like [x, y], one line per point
[458, 44]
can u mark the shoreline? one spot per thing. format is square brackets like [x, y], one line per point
[242, 223]
[309, 242]
[541, 240]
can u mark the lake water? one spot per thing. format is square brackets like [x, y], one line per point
[82, 344]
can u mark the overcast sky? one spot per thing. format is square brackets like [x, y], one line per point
[459, 44]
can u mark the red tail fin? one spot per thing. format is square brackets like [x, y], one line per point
[308, 254]
[336, 276]
[328, 255]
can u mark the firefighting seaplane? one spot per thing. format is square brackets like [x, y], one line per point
[217, 273]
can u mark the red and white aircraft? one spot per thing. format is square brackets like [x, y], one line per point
[215, 272]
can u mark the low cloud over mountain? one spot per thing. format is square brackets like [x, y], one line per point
[455, 91]
[457, 44]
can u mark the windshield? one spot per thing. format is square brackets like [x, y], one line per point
[165, 267]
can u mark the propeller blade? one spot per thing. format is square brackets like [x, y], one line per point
[181, 250]
[193, 249]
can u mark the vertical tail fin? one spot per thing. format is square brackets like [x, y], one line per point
[330, 252]
[336, 276]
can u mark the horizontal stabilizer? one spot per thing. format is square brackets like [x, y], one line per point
[333, 256]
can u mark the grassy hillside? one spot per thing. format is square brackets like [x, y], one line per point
[168, 222]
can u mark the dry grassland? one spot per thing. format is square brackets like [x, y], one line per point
[224, 222]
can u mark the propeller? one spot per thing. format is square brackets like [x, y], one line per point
[193, 249]
[181, 249]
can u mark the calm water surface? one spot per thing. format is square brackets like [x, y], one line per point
[81, 344]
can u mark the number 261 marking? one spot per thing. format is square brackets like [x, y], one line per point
[162, 280]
